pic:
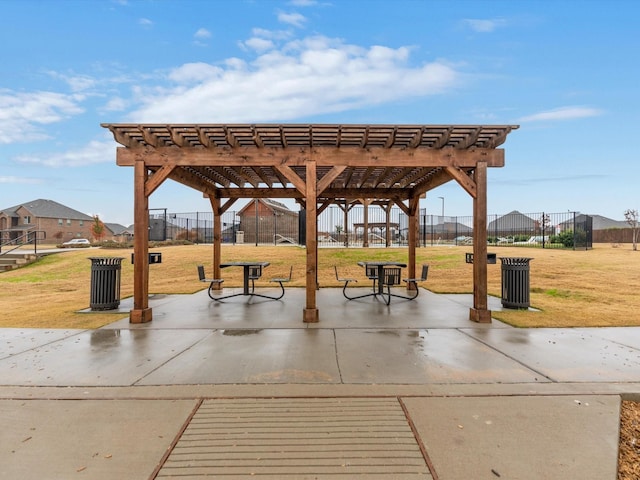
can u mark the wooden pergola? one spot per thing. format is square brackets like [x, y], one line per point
[317, 165]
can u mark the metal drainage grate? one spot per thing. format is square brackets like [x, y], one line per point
[284, 437]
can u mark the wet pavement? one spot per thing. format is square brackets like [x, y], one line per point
[479, 400]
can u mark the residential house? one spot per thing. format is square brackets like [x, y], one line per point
[603, 229]
[513, 223]
[264, 220]
[58, 222]
[119, 233]
[598, 222]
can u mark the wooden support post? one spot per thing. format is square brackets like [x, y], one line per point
[365, 224]
[414, 202]
[346, 223]
[480, 312]
[387, 237]
[217, 239]
[141, 312]
[310, 314]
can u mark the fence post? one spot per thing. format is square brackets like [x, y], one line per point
[575, 237]
[455, 219]
[432, 233]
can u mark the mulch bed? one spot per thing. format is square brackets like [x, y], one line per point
[629, 447]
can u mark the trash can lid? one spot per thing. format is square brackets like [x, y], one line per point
[515, 260]
[106, 260]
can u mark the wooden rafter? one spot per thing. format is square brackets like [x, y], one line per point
[251, 192]
[247, 175]
[263, 177]
[218, 177]
[191, 179]
[470, 139]
[430, 181]
[178, 137]
[416, 140]
[383, 177]
[399, 178]
[365, 176]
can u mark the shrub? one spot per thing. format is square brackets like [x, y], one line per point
[567, 238]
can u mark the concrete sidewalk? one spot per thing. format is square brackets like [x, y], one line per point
[243, 389]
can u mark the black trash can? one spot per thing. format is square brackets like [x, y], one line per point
[515, 282]
[105, 282]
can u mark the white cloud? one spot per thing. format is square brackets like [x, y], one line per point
[195, 72]
[303, 3]
[23, 114]
[116, 104]
[93, 153]
[77, 83]
[484, 25]
[271, 34]
[20, 180]
[202, 34]
[258, 44]
[563, 113]
[312, 76]
[145, 22]
[295, 19]
[263, 39]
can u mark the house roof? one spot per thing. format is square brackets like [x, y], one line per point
[511, 221]
[117, 229]
[271, 205]
[47, 209]
[598, 222]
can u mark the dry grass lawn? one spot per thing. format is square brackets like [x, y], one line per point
[591, 288]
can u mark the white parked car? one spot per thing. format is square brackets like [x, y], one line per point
[77, 242]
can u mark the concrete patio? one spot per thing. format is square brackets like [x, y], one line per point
[245, 388]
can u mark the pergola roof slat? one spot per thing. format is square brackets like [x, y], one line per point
[376, 156]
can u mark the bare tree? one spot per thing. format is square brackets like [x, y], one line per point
[631, 216]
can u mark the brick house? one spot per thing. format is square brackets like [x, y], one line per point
[271, 221]
[119, 233]
[59, 222]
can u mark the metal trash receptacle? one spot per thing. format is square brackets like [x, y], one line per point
[515, 282]
[105, 282]
[240, 236]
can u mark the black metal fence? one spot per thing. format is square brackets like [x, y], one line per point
[339, 227]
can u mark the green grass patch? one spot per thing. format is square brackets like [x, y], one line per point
[554, 292]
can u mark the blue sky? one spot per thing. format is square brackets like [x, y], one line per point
[565, 71]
